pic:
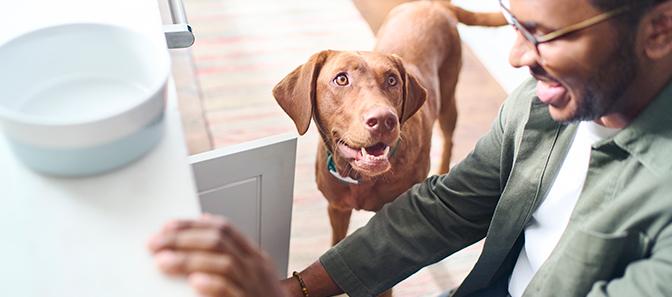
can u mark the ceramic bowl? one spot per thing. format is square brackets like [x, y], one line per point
[82, 99]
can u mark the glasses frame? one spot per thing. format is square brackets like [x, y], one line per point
[537, 40]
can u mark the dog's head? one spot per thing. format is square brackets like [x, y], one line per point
[359, 101]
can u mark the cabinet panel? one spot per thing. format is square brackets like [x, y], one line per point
[252, 184]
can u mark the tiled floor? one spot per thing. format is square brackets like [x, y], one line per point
[224, 82]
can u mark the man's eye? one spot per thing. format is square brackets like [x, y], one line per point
[341, 80]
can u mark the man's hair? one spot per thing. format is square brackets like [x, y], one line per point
[631, 18]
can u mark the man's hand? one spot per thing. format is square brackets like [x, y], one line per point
[216, 258]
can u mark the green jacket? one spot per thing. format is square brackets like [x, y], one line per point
[618, 241]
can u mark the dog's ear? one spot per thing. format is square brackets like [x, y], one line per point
[414, 94]
[296, 92]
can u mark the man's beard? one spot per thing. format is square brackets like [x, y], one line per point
[602, 93]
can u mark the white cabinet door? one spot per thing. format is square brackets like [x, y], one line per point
[252, 185]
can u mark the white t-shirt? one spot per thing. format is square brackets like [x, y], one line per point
[551, 218]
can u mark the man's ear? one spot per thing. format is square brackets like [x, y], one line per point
[414, 94]
[296, 92]
[657, 27]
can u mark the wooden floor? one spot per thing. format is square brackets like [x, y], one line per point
[224, 83]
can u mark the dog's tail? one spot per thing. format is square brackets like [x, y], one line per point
[470, 18]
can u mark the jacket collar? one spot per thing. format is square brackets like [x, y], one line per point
[649, 137]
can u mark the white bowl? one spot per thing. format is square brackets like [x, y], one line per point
[82, 99]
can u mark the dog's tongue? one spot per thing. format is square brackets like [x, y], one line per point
[374, 153]
[376, 150]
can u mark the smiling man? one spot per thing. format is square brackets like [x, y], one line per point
[570, 187]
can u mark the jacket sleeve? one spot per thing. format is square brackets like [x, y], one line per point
[428, 222]
[649, 277]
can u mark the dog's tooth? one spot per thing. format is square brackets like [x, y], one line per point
[364, 153]
[387, 151]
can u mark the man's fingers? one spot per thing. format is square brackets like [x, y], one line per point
[207, 233]
[214, 285]
[170, 262]
[184, 263]
[196, 240]
[227, 230]
[212, 221]
[159, 240]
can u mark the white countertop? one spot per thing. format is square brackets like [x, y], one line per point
[87, 236]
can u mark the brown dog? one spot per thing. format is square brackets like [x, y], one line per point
[375, 110]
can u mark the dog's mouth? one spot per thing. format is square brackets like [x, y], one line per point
[368, 160]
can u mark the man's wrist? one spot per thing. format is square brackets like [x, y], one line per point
[292, 287]
[316, 281]
[299, 279]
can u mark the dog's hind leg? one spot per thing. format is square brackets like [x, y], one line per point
[448, 75]
[340, 220]
[447, 122]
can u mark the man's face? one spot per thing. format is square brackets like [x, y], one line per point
[581, 75]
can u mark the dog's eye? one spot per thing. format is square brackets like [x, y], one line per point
[392, 81]
[341, 80]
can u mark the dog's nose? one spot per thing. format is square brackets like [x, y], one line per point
[380, 119]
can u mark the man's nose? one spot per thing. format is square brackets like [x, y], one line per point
[523, 53]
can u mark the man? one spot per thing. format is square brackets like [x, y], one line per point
[570, 187]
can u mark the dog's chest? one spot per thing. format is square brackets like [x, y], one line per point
[366, 197]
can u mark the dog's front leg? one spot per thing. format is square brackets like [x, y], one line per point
[340, 220]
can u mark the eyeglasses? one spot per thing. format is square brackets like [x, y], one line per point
[535, 40]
